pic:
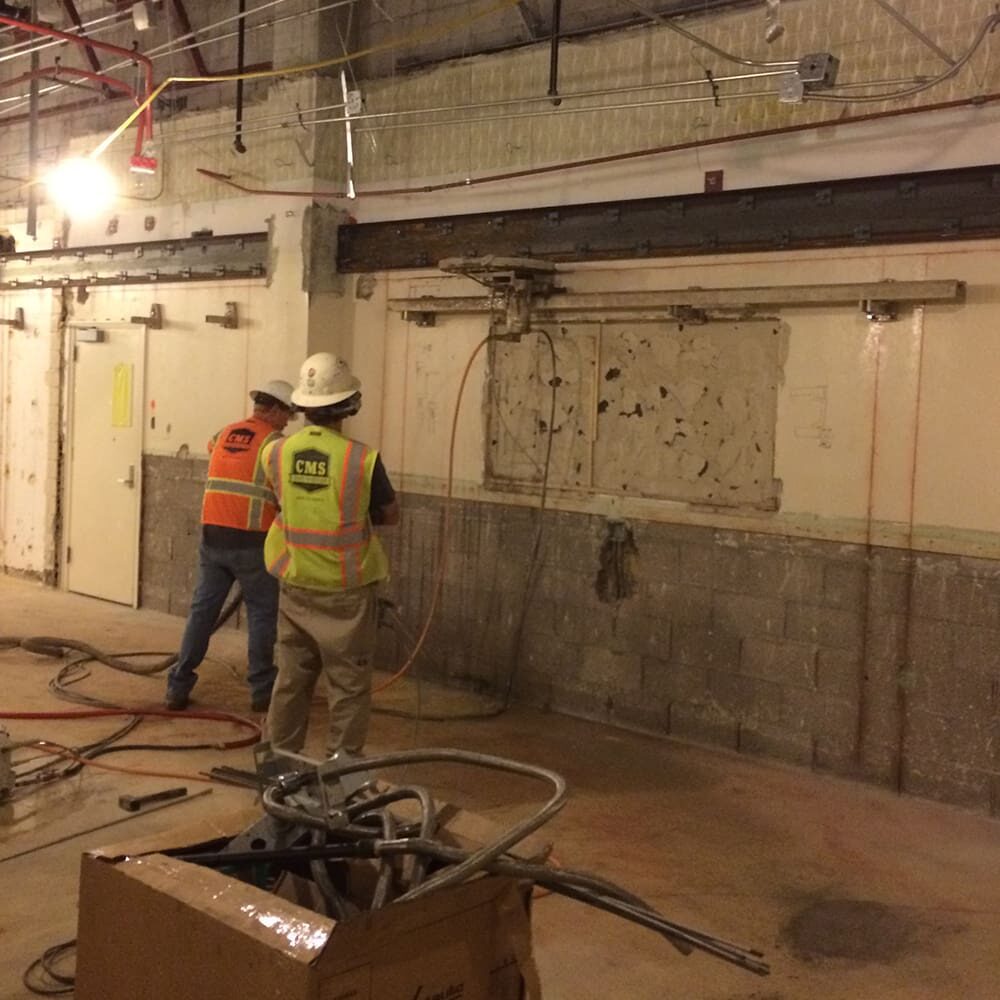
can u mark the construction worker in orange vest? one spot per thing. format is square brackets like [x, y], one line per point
[331, 490]
[237, 510]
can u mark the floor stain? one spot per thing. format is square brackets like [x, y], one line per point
[854, 929]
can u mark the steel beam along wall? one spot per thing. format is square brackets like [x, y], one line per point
[947, 204]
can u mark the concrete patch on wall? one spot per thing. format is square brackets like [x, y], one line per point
[319, 250]
[364, 286]
[171, 529]
[670, 410]
[522, 390]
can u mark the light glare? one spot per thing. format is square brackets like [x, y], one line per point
[82, 188]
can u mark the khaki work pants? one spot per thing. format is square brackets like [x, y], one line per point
[329, 634]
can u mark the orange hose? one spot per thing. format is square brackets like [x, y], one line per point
[443, 553]
[100, 713]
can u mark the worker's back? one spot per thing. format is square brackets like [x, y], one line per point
[236, 493]
[323, 540]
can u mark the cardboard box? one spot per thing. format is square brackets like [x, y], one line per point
[155, 928]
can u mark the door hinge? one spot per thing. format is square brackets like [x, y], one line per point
[69, 554]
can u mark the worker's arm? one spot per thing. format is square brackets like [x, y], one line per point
[264, 462]
[387, 515]
[384, 507]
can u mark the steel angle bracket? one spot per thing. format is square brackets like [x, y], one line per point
[513, 282]
[229, 320]
[17, 323]
[154, 321]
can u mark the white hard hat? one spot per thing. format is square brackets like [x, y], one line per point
[324, 379]
[277, 388]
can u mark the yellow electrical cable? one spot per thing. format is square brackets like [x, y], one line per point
[263, 74]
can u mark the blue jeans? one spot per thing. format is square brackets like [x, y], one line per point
[217, 570]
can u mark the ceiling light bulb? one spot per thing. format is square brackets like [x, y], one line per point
[81, 187]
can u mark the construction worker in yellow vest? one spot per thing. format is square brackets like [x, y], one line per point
[237, 509]
[331, 490]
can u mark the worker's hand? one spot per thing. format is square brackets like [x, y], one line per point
[389, 514]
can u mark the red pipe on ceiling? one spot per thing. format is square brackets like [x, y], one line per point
[144, 129]
[46, 72]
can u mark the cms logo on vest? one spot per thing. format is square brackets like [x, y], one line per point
[310, 470]
[239, 440]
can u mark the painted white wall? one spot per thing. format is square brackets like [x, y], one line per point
[29, 414]
[885, 429]
[198, 374]
[936, 368]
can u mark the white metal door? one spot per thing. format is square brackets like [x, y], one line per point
[105, 462]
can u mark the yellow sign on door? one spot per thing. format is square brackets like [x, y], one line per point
[121, 396]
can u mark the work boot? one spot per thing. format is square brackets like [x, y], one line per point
[177, 702]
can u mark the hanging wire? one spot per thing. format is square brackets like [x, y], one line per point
[26, 48]
[985, 28]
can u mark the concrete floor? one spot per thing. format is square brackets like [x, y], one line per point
[850, 892]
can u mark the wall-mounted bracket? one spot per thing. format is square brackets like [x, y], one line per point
[880, 310]
[688, 314]
[17, 323]
[154, 321]
[229, 320]
[420, 318]
[513, 283]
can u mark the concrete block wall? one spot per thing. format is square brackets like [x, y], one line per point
[869, 663]
[171, 507]
[875, 664]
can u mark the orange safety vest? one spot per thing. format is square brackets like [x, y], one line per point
[237, 494]
[322, 539]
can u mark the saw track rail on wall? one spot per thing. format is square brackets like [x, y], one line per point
[945, 205]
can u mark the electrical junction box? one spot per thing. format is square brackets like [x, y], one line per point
[154, 927]
[817, 70]
[791, 90]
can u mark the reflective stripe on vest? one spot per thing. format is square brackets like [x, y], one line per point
[239, 488]
[322, 538]
[265, 496]
[272, 466]
[278, 567]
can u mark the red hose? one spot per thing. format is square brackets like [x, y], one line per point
[98, 713]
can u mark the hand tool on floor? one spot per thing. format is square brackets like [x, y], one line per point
[133, 803]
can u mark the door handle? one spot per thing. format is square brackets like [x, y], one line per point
[129, 480]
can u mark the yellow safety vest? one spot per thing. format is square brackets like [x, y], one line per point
[322, 538]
